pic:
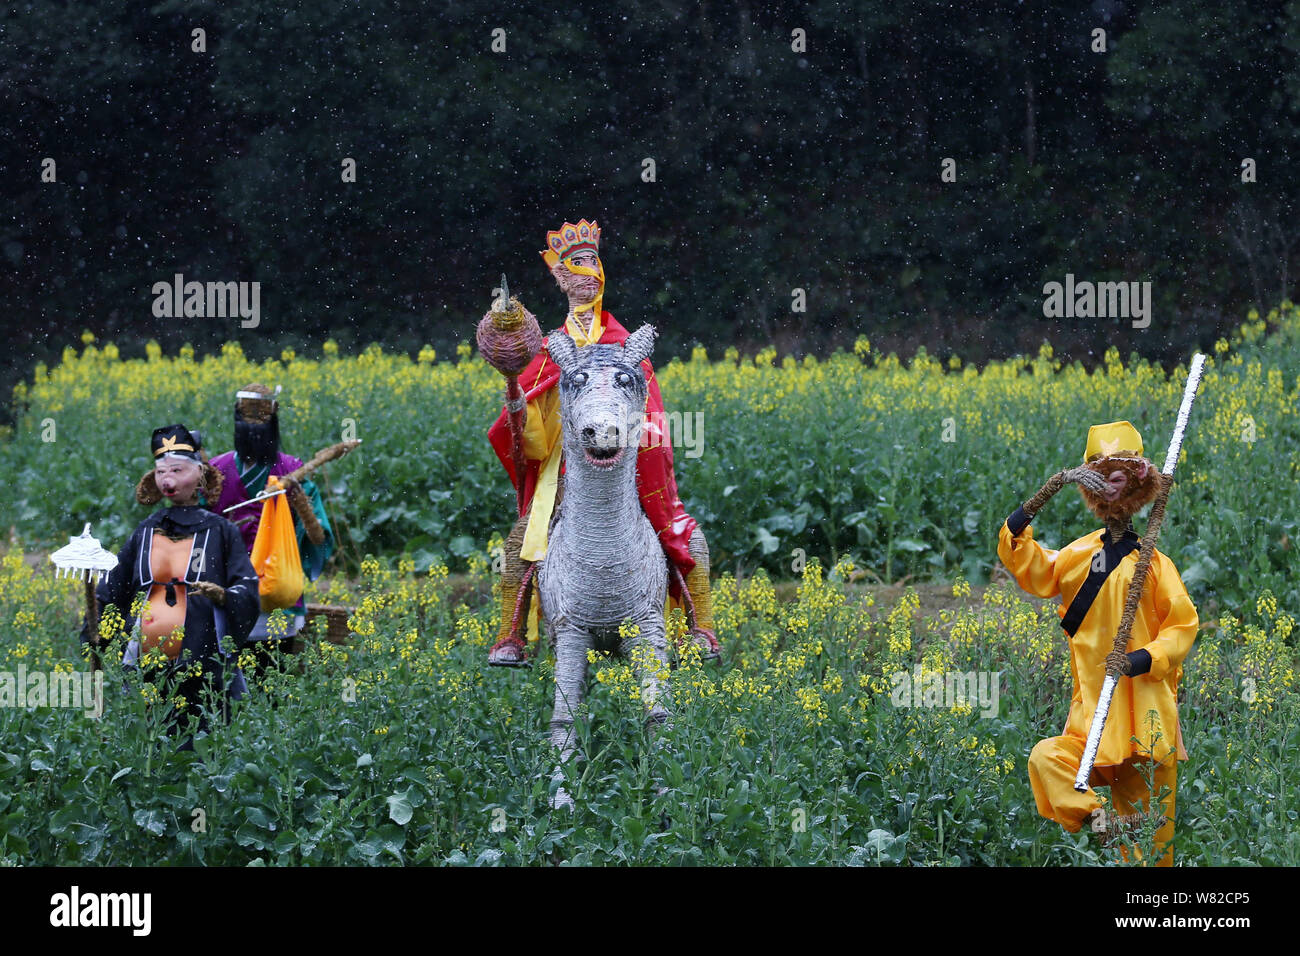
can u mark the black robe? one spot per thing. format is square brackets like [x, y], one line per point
[218, 557]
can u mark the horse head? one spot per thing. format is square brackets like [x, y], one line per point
[602, 398]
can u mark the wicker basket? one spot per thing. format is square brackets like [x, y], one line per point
[335, 622]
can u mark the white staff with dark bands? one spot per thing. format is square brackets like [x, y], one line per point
[1134, 595]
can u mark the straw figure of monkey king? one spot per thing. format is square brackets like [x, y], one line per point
[1091, 576]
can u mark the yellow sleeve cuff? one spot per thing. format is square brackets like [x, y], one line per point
[1159, 662]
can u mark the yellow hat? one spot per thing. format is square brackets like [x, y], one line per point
[1113, 438]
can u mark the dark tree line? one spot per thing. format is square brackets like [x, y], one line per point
[775, 168]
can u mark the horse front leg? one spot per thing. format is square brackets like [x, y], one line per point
[571, 646]
[649, 653]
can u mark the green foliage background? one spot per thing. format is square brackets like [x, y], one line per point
[405, 748]
[848, 456]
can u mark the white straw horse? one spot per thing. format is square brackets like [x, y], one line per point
[604, 563]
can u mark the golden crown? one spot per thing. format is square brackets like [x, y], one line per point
[569, 238]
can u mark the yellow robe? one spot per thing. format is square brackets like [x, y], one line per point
[1165, 626]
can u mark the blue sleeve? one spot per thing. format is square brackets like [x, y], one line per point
[314, 556]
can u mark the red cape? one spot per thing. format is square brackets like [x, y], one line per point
[655, 484]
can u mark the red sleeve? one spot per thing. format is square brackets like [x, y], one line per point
[535, 380]
[657, 485]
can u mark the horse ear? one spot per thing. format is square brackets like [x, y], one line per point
[640, 344]
[562, 349]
